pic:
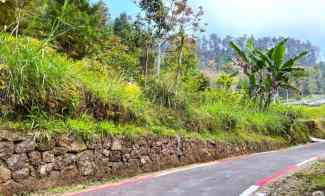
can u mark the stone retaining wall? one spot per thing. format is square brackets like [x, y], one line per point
[26, 165]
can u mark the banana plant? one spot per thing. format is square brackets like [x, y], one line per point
[280, 70]
[251, 64]
[268, 70]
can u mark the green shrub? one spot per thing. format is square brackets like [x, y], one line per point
[84, 126]
[265, 122]
[165, 92]
[227, 116]
[108, 96]
[198, 120]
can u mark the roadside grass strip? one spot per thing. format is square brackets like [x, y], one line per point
[253, 190]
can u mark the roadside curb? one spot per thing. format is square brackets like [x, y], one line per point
[253, 190]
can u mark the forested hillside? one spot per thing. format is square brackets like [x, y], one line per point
[216, 51]
[216, 55]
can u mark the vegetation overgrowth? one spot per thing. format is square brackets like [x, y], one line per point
[76, 73]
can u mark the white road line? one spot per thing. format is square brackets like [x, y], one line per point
[307, 161]
[250, 190]
[164, 173]
[254, 188]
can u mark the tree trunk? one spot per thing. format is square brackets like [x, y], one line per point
[146, 66]
[287, 95]
[180, 55]
[158, 60]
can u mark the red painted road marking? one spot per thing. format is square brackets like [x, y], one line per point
[112, 185]
[170, 171]
[281, 173]
[157, 174]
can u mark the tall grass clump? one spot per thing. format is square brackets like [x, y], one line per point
[166, 92]
[230, 111]
[107, 96]
[34, 77]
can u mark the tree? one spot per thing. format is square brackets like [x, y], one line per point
[12, 13]
[186, 23]
[7, 14]
[171, 21]
[267, 71]
[76, 27]
[156, 15]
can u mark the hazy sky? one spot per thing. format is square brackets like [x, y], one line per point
[302, 19]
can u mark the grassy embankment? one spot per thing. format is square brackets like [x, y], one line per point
[47, 93]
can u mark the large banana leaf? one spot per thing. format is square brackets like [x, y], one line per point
[293, 60]
[290, 87]
[279, 53]
[239, 51]
[250, 43]
[267, 60]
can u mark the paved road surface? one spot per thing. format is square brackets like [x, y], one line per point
[227, 178]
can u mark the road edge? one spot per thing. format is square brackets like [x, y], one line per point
[148, 176]
[275, 176]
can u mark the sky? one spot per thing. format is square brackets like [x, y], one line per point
[300, 19]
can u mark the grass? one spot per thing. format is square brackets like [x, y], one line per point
[312, 112]
[315, 176]
[88, 127]
[109, 89]
[34, 77]
[232, 112]
[73, 188]
[309, 179]
[48, 93]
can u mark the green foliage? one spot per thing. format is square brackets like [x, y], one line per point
[117, 56]
[267, 71]
[109, 96]
[311, 112]
[75, 27]
[111, 90]
[34, 77]
[165, 92]
[231, 111]
[225, 81]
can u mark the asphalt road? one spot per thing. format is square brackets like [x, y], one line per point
[226, 178]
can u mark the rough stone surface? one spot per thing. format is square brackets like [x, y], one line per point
[35, 158]
[16, 161]
[48, 157]
[318, 193]
[21, 174]
[71, 144]
[45, 170]
[25, 146]
[8, 135]
[5, 174]
[116, 145]
[27, 166]
[6, 149]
